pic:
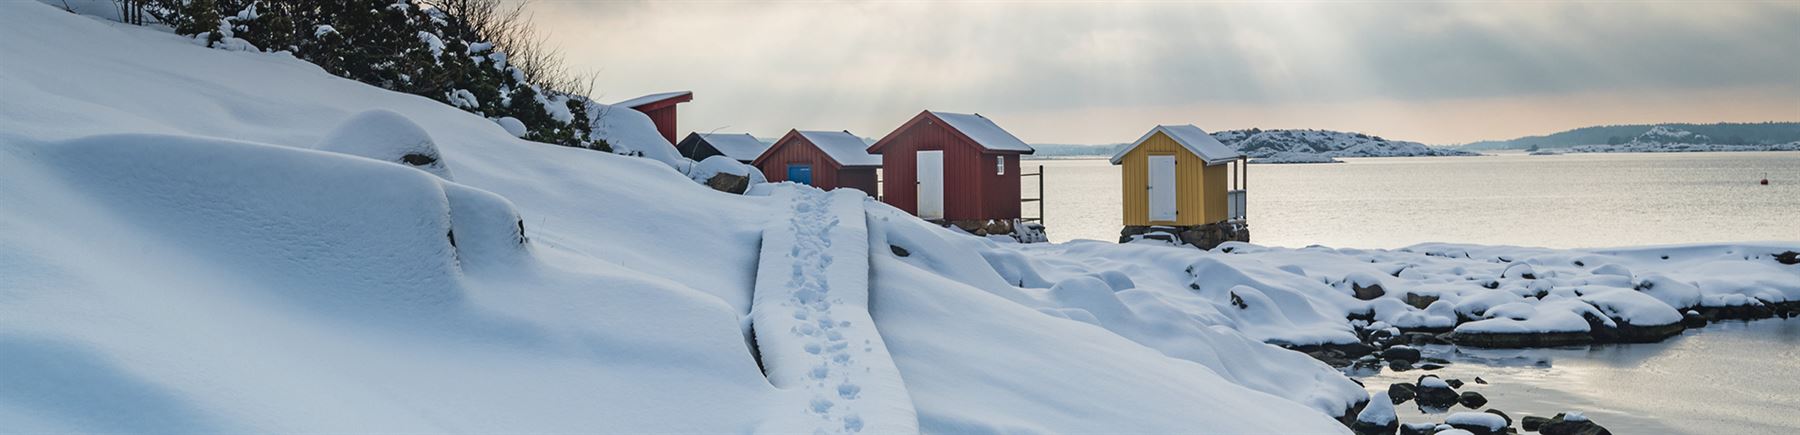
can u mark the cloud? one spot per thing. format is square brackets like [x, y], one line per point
[822, 65]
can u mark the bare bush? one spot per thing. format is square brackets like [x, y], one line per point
[509, 27]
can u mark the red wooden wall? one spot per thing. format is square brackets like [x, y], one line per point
[664, 118]
[972, 189]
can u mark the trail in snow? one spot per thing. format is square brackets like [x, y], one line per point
[812, 323]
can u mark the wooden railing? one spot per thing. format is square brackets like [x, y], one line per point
[1040, 195]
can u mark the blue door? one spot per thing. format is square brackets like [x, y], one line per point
[800, 174]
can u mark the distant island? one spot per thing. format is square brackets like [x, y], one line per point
[1283, 146]
[1669, 137]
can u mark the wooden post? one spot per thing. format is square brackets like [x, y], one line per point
[1040, 194]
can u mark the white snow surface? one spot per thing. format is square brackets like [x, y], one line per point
[984, 132]
[1492, 422]
[847, 149]
[647, 99]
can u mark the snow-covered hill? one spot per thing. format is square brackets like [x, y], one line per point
[186, 246]
[1322, 146]
[1664, 139]
[195, 240]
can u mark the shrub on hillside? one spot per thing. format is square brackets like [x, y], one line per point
[452, 51]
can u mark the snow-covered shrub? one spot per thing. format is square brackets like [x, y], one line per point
[386, 136]
[426, 48]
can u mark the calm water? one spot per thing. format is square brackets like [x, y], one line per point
[1725, 378]
[1565, 201]
[1730, 377]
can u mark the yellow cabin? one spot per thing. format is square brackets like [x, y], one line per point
[1179, 176]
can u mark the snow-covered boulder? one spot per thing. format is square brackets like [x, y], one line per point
[387, 136]
[725, 174]
[512, 125]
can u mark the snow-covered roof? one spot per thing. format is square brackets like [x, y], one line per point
[842, 146]
[652, 98]
[1195, 140]
[984, 132]
[737, 146]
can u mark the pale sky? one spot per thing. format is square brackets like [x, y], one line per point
[1090, 72]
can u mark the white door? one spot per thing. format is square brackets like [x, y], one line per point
[1162, 188]
[931, 184]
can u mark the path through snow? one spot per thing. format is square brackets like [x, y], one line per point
[811, 318]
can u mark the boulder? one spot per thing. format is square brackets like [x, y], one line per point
[1572, 423]
[1400, 393]
[1454, 383]
[1502, 415]
[1472, 400]
[1789, 258]
[1531, 423]
[729, 182]
[1435, 393]
[1367, 293]
[899, 251]
[1418, 429]
[1401, 353]
[1377, 417]
[1419, 301]
[1399, 365]
[1478, 423]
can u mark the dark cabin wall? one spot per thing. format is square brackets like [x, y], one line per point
[857, 178]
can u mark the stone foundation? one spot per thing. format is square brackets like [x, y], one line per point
[1205, 236]
[1024, 232]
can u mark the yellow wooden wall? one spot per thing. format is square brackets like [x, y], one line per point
[1199, 191]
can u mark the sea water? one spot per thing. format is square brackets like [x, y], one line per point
[1557, 201]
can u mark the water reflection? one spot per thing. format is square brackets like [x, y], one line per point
[1730, 377]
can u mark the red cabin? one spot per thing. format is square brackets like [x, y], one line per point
[822, 159]
[660, 108]
[952, 167]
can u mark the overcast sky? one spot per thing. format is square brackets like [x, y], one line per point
[1061, 72]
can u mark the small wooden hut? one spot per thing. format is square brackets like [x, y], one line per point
[955, 168]
[823, 159]
[660, 108]
[1179, 180]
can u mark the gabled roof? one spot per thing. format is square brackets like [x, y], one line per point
[1195, 140]
[667, 98]
[984, 132]
[845, 148]
[737, 146]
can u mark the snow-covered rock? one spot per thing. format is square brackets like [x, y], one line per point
[386, 136]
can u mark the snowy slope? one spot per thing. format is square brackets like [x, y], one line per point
[1319, 146]
[187, 246]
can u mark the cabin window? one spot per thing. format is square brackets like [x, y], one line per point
[1000, 165]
